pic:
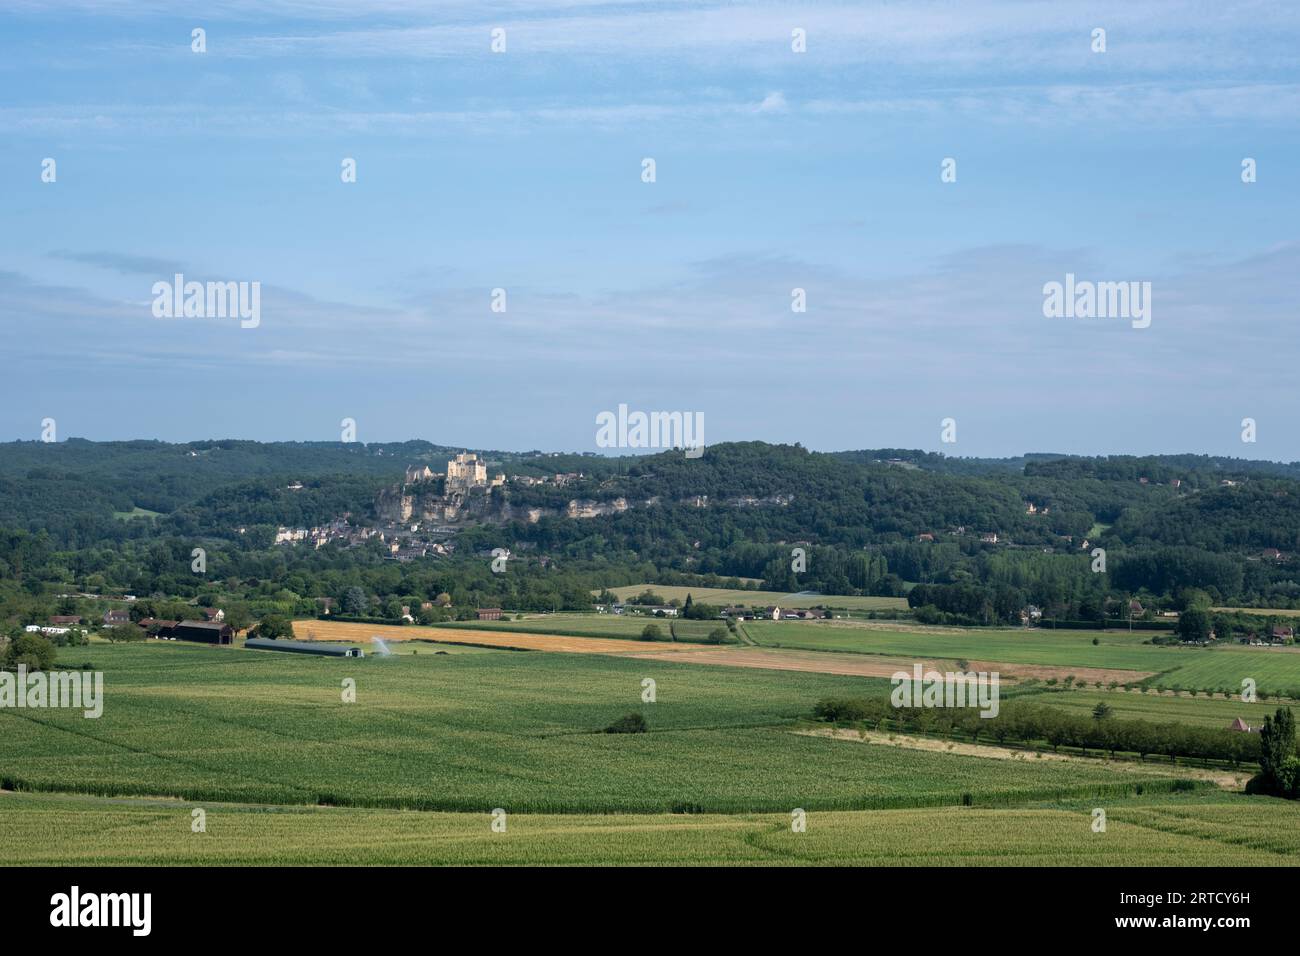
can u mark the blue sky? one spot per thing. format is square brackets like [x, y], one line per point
[775, 170]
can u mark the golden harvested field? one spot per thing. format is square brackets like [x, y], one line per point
[313, 630]
[817, 662]
[1280, 612]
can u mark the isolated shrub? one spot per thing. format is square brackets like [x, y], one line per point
[628, 724]
[835, 709]
[652, 632]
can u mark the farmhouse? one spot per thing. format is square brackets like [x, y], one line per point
[489, 614]
[657, 610]
[208, 632]
[303, 647]
[113, 618]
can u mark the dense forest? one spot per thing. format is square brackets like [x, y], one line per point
[123, 517]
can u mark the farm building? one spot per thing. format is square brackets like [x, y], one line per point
[304, 647]
[208, 632]
[489, 614]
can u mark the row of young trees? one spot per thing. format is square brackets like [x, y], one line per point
[1029, 723]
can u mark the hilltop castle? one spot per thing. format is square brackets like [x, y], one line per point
[464, 472]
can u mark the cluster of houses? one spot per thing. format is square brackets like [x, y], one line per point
[1279, 634]
[402, 543]
[737, 612]
[986, 537]
[559, 480]
[211, 629]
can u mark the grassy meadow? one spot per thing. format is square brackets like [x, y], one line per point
[1182, 830]
[727, 596]
[1275, 670]
[467, 732]
[409, 773]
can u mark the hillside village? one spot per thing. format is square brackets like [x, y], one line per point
[418, 517]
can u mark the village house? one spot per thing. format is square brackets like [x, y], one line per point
[989, 537]
[802, 614]
[657, 610]
[114, 618]
[489, 614]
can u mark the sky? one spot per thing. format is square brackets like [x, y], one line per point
[774, 170]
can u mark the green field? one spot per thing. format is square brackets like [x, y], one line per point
[1280, 612]
[474, 731]
[409, 774]
[1182, 830]
[1274, 670]
[724, 596]
[136, 512]
[1156, 708]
